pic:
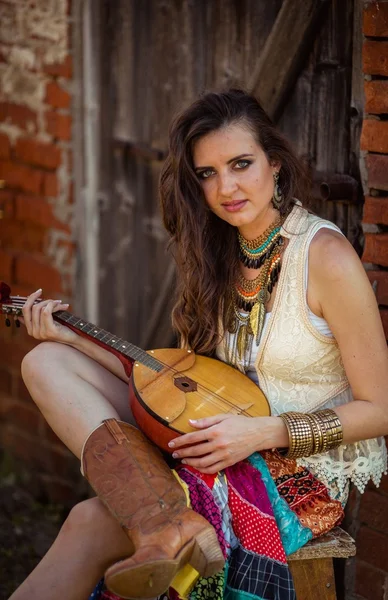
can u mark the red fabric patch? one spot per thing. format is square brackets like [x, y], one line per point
[208, 479]
[255, 530]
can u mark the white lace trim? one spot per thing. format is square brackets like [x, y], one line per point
[357, 463]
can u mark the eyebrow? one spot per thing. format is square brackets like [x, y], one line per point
[228, 162]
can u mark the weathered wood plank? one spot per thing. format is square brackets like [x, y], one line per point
[313, 579]
[285, 51]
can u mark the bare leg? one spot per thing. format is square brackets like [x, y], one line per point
[73, 392]
[89, 542]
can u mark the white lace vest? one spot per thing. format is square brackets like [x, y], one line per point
[300, 369]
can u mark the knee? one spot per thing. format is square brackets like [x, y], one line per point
[85, 518]
[40, 360]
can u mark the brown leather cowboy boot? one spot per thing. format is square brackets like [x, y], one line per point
[131, 478]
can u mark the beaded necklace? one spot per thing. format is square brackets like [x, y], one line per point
[246, 311]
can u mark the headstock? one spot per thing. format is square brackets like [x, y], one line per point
[10, 305]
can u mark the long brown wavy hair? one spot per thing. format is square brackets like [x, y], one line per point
[204, 246]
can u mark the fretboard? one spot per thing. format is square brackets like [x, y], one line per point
[110, 340]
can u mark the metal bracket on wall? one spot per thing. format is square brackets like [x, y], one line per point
[336, 186]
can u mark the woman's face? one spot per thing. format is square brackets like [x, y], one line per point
[236, 178]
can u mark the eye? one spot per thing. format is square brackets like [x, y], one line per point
[242, 164]
[205, 174]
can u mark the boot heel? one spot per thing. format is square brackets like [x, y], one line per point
[207, 557]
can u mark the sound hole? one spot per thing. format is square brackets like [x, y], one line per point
[185, 384]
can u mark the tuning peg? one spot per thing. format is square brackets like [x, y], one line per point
[7, 322]
[17, 322]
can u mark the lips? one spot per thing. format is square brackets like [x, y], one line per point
[234, 205]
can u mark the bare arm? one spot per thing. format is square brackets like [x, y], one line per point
[40, 325]
[339, 290]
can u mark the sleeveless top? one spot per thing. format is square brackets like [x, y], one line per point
[300, 369]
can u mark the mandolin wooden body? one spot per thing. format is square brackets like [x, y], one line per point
[189, 387]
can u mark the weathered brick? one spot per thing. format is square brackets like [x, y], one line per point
[11, 354]
[5, 147]
[369, 581]
[20, 390]
[372, 548]
[374, 136]
[7, 204]
[64, 69]
[377, 166]
[6, 266]
[5, 388]
[15, 235]
[37, 153]
[383, 487]
[58, 125]
[21, 177]
[380, 281]
[35, 209]
[35, 271]
[374, 511]
[376, 249]
[375, 21]
[376, 96]
[50, 185]
[18, 115]
[375, 58]
[376, 210]
[56, 96]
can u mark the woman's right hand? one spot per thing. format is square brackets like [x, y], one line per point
[39, 322]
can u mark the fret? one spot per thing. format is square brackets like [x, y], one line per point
[86, 327]
[122, 346]
[101, 335]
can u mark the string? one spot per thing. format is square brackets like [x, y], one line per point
[215, 399]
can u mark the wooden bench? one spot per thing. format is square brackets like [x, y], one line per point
[312, 565]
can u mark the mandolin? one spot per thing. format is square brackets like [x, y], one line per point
[169, 386]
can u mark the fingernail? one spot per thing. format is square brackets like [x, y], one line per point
[39, 290]
[175, 455]
[184, 462]
[192, 420]
[171, 444]
[65, 304]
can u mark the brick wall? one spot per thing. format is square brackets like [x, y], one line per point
[36, 247]
[367, 515]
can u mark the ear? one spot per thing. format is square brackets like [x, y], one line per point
[276, 165]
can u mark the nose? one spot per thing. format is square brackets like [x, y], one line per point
[227, 184]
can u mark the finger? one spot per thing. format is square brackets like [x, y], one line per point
[36, 322]
[189, 439]
[60, 306]
[204, 462]
[27, 309]
[209, 421]
[198, 450]
[213, 469]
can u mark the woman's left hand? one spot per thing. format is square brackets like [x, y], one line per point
[223, 440]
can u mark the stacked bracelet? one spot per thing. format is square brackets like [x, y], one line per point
[312, 433]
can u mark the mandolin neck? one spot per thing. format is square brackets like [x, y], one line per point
[107, 340]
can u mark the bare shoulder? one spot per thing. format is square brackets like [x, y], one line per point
[332, 258]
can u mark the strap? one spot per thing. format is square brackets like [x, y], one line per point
[115, 430]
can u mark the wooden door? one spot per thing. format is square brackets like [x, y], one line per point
[156, 56]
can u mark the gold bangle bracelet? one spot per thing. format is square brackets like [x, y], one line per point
[301, 439]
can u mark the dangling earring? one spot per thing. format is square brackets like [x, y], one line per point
[277, 198]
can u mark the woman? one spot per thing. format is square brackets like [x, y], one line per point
[276, 292]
